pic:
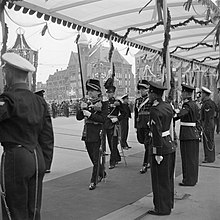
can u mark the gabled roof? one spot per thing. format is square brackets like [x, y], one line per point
[73, 59]
[117, 19]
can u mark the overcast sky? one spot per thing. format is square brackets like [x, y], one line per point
[55, 46]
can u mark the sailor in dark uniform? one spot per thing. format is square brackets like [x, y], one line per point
[93, 113]
[208, 115]
[163, 152]
[189, 137]
[141, 121]
[114, 115]
[26, 135]
[125, 122]
[48, 164]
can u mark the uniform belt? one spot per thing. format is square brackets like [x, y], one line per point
[92, 122]
[112, 116]
[11, 146]
[165, 133]
[189, 124]
[143, 113]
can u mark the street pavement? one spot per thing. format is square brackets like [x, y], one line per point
[125, 194]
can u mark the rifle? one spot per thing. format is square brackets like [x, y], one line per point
[101, 159]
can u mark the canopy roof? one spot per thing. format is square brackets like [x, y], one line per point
[98, 17]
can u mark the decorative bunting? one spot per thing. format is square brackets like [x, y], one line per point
[192, 47]
[44, 30]
[143, 30]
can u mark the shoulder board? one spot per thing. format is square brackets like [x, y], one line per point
[152, 122]
[2, 103]
[155, 103]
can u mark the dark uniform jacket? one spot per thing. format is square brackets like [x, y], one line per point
[161, 114]
[93, 124]
[208, 113]
[142, 114]
[113, 108]
[189, 114]
[25, 120]
[127, 110]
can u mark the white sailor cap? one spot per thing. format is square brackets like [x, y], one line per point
[206, 90]
[18, 62]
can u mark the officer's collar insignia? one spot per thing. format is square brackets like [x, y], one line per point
[2, 103]
[155, 103]
[153, 122]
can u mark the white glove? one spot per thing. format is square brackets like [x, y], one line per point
[114, 120]
[87, 113]
[158, 159]
[83, 105]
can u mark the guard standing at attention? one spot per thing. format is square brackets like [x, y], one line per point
[189, 137]
[115, 114]
[163, 152]
[93, 113]
[125, 122]
[49, 161]
[141, 121]
[26, 135]
[208, 114]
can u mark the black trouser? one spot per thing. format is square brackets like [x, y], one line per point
[217, 121]
[190, 161]
[209, 144]
[124, 132]
[113, 145]
[162, 176]
[94, 155]
[144, 138]
[19, 166]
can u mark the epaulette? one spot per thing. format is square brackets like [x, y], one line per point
[155, 103]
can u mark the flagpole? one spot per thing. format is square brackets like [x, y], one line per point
[2, 19]
[80, 65]
[167, 52]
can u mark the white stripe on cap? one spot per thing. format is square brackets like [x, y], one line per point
[144, 85]
[206, 90]
[93, 86]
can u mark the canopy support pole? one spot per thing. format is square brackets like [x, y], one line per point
[3, 24]
[167, 52]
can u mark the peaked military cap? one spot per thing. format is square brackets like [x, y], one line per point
[18, 62]
[142, 84]
[40, 92]
[187, 88]
[124, 96]
[93, 84]
[206, 90]
[156, 88]
[111, 89]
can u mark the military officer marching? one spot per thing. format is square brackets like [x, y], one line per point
[115, 114]
[93, 113]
